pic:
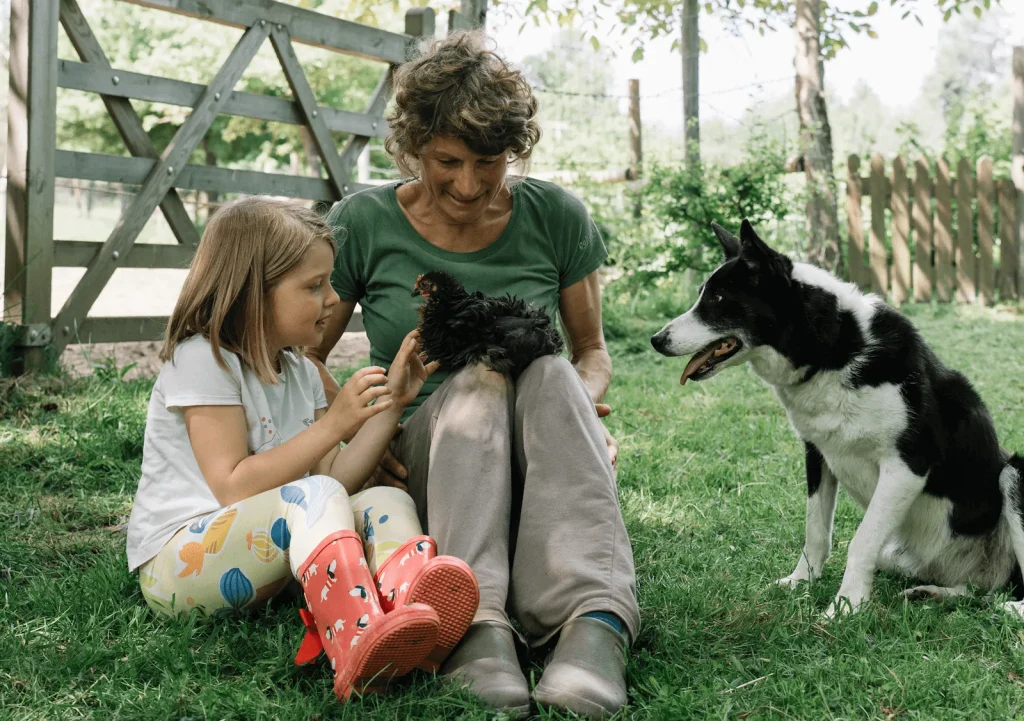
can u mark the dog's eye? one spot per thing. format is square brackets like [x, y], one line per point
[715, 298]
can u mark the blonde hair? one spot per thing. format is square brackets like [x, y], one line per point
[247, 247]
[460, 89]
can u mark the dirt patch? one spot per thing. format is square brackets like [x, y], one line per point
[352, 349]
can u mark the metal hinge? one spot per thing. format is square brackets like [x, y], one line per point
[34, 334]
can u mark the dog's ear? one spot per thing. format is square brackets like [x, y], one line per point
[751, 244]
[730, 243]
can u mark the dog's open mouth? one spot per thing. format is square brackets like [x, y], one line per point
[705, 362]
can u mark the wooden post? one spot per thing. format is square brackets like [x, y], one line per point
[943, 232]
[855, 222]
[472, 14]
[1017, 168]
[419, 22]
[31, 153]
[475, 11]
[876, 248]
[924, 273]
[899, 203]
[636, 155]
[1008, 251]
[986, 226]
[690, 50]
[965, 193]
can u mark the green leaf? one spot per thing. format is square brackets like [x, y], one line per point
[703, 46]
[947, 15]
[872, 34]
[596, 44]
[978, 12]
[638, 54]
[872, 8]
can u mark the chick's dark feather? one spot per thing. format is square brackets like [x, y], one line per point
[459, 328]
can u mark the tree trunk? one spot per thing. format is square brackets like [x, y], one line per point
[212, 196]
[312, 154]
[690, 50]
[823, 245]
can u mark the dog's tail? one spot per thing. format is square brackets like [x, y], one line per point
[1011, 484]
[1011, 481]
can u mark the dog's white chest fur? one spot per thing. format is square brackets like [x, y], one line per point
[854, 429]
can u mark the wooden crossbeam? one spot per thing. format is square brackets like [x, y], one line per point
[125, 119]
[355, 144]
[305, 26]
[134, 171]
[307, 103]
[80, 254]
[120, 83]
[160, 180]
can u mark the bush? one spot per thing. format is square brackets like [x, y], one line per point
[680, 203]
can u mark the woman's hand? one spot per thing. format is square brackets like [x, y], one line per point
[390, 471]
[408, 374]
[351, 409]
[603, 410]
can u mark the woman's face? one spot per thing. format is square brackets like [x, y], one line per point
[461, 183]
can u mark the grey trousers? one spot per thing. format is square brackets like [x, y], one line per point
[514, 478]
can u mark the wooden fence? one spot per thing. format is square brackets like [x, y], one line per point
[34, 162]
[954, 235]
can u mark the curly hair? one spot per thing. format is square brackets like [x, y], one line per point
[458, 88]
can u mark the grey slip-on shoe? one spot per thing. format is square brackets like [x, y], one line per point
[586, 673]
[486, 664]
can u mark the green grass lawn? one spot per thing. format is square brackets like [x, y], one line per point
[712, 489]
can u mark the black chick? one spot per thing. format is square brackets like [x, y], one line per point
[459, 328]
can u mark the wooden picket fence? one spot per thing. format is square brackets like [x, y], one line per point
[967, 251]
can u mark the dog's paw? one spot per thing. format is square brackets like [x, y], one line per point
[1015, 609]
[791, 581]
[844, 604]
[935, 593]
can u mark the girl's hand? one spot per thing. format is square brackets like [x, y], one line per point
[407, 373]
[351, 408]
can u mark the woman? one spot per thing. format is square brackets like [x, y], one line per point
[516, 478]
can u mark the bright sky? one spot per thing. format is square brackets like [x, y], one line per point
[732, 62]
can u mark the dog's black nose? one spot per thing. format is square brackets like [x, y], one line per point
[658, 340]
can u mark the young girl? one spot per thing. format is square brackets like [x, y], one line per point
[244, 486]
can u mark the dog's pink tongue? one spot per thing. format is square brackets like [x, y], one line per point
[695, 363]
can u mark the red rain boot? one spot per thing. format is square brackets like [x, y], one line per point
[416, 574]
[366, 648]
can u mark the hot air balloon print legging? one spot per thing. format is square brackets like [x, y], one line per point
[243, 554]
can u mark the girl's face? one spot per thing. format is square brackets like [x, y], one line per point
[461, 184]
[302, 301]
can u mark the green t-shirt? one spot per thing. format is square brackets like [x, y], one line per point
[549, 244]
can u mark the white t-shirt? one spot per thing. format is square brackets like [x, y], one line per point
[172, 490]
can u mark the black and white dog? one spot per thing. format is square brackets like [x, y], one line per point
[908, 438]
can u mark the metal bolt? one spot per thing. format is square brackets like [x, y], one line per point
[280, 27]
[116, 80]
[263, 23]
[116, 255]
[32, 334]
[67, 331]
[314, 113]
[216, 96]
[344, 188]
[373, 125]
[170, 170]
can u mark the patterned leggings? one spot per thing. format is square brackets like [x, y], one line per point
[241, 555]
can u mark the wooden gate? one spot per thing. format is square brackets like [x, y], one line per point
[34, 162]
